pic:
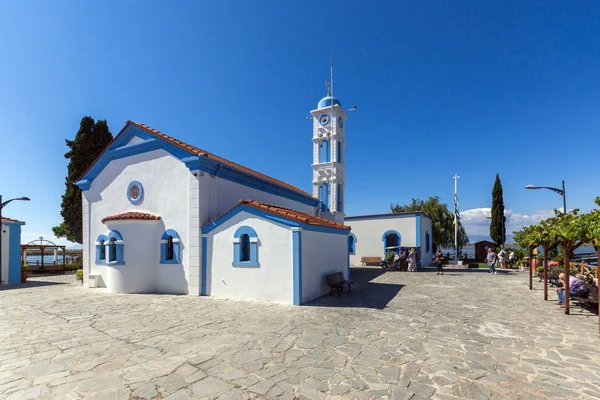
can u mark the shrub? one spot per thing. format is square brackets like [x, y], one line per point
[389, 257]
[25, 267]
[74, 266]
[79, 274]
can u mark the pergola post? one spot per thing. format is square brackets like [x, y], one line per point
[530, 268]
[546, 247]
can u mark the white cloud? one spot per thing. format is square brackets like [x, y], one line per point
[476, 222]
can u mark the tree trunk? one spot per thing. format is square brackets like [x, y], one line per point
[530, 268]
[567, 248]
[546, 247]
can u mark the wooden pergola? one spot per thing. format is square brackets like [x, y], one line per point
[43, 245]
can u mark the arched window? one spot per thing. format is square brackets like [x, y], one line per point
[352, 243]
[427, 242]
[391, 238]
[324, 151]
[245, 247]
[170, 247]
[324, 196]
[113, 250]
[114, 247]
[100, 249]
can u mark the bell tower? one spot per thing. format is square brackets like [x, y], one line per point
[328, 156]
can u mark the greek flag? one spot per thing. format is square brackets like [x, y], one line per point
[456, 213]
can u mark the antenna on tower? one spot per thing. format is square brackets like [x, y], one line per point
[329, 82]
[331, 72]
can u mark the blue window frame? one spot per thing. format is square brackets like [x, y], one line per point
[427, 242]
[100, 249]
[339, 152]
[115, 248]
[339, 198]
[170, 247]
[245, 248]
[324, 196]
[352, 243]
[324, 151]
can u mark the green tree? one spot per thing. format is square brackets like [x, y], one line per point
[590, 227]
[498, 223]
[528, 238]
[568, 229]
[91, 139]
[442, 221]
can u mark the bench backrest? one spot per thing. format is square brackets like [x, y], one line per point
[335, 278]
[370, 259]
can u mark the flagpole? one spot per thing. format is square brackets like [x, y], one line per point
[456, 216]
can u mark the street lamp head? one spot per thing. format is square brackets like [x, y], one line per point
[23, 198]
[530, 187]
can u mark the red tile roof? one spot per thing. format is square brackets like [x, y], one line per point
[289, 214]
[132, 215]
[202, 153]
[15, 221]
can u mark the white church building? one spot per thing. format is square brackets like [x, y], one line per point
[163, 216]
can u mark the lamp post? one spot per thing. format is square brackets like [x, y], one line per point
[2, 204]
[559, 191]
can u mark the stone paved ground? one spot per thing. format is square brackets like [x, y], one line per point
[399, 335]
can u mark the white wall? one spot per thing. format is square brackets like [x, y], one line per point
[141, 272]
[369, 232]
[272, 281]
[5, 251]
[322, 254]
[229, 193]
[165, 180]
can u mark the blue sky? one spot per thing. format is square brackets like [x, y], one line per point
[471, 87]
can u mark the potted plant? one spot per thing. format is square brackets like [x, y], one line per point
[24, 272]
[79, 275]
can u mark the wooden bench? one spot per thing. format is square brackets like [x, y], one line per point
[590, 301]
[370, 260]
[337, 281]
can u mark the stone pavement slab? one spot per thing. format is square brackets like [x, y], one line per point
[398, 335]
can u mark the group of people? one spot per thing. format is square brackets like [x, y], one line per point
[576, 288]
[410, 257]
[494, 260]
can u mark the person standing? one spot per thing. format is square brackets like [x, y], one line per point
[511, 258]
[502, 259]
[412, 261]
[439, 261]
[491, 260]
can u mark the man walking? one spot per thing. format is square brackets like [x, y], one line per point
[491, 260]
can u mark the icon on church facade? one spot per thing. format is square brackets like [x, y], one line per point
[135, 191]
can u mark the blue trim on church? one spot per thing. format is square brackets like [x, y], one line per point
[120, 149]
[271, 217]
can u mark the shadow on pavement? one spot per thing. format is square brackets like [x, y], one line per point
[365, 294]
[30, 284]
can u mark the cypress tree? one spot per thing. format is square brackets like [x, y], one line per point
[498, 223]
[91, 139]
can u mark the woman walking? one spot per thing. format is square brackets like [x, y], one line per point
[412, 261]
[439, 261]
